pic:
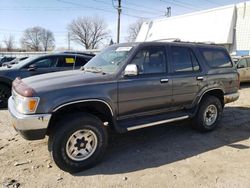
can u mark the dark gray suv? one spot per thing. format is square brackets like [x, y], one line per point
[126, 87]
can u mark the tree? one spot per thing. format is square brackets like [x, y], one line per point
[134, 29]
[47, 40]
[9, 43]
[88, 31]
[38, 38]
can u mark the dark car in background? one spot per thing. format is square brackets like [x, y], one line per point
[35, 66]
[243, 67]
[6, 59]
[14, 61]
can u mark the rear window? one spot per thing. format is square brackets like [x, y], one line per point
[216, 58]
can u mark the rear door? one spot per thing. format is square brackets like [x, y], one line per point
[150, 92]
[186, 75]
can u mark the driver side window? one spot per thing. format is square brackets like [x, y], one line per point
[45, 63]
[242, 63]
[151, 60]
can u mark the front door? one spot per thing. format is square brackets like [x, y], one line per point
[150, 92]
[40, 66]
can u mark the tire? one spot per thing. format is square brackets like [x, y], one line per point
[208, 115]
[73, 135]
[5, 93]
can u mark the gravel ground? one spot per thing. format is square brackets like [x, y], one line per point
[162, 156]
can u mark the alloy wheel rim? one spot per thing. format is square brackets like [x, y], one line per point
[210, 115]
[81, 145]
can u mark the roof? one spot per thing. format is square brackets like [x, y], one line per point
[214, 25]
[65, 54]
[181, 43]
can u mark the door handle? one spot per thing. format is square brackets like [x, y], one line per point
[200, 78]
[164, 80]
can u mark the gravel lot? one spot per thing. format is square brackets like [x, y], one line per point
[163, 156]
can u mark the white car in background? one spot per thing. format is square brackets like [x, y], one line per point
[243, 67]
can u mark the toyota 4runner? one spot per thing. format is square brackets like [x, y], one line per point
[126, 87]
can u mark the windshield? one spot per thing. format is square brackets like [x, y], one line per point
[108, 61]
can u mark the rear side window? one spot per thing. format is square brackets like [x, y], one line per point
[216, 58]
[184, 59]
[242, 63]
[66, 61]
[80, 61]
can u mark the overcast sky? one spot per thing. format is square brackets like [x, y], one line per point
[55, 15]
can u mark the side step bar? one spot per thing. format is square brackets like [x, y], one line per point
[157, 123]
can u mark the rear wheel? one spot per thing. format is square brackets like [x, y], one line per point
[78, 143]
[209, 114]
[5, 93]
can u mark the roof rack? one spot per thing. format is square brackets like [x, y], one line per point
[179, 40]
[168, 40]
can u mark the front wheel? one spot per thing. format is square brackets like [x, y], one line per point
[78, 143]
[208, 115]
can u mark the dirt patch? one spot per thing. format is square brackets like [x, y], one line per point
[162, 156]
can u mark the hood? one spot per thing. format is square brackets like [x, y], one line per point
[9, 73]
[65, 79]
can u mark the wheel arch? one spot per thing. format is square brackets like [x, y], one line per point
[97, 107]
[217, 92]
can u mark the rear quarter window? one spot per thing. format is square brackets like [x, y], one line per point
[216, 58]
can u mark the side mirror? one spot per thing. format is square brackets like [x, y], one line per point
[131, 70]
[240, 66]
[32, 68]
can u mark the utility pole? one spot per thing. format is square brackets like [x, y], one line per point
[119, 10]
[68, 41]
[168, 13]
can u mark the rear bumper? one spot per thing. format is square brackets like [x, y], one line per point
[231, 97]
[30, 127]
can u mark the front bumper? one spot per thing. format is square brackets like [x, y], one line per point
[231, 97]
[30, 127]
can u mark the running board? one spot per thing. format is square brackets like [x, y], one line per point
[157, 123]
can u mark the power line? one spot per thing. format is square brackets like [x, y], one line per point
[96, 8]
[213, 2]
[140, 5]
[141, 11]
[178, 4]
[129, 8]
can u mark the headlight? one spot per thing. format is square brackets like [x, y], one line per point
[26, 105]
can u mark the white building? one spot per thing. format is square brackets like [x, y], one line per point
[227, 25]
